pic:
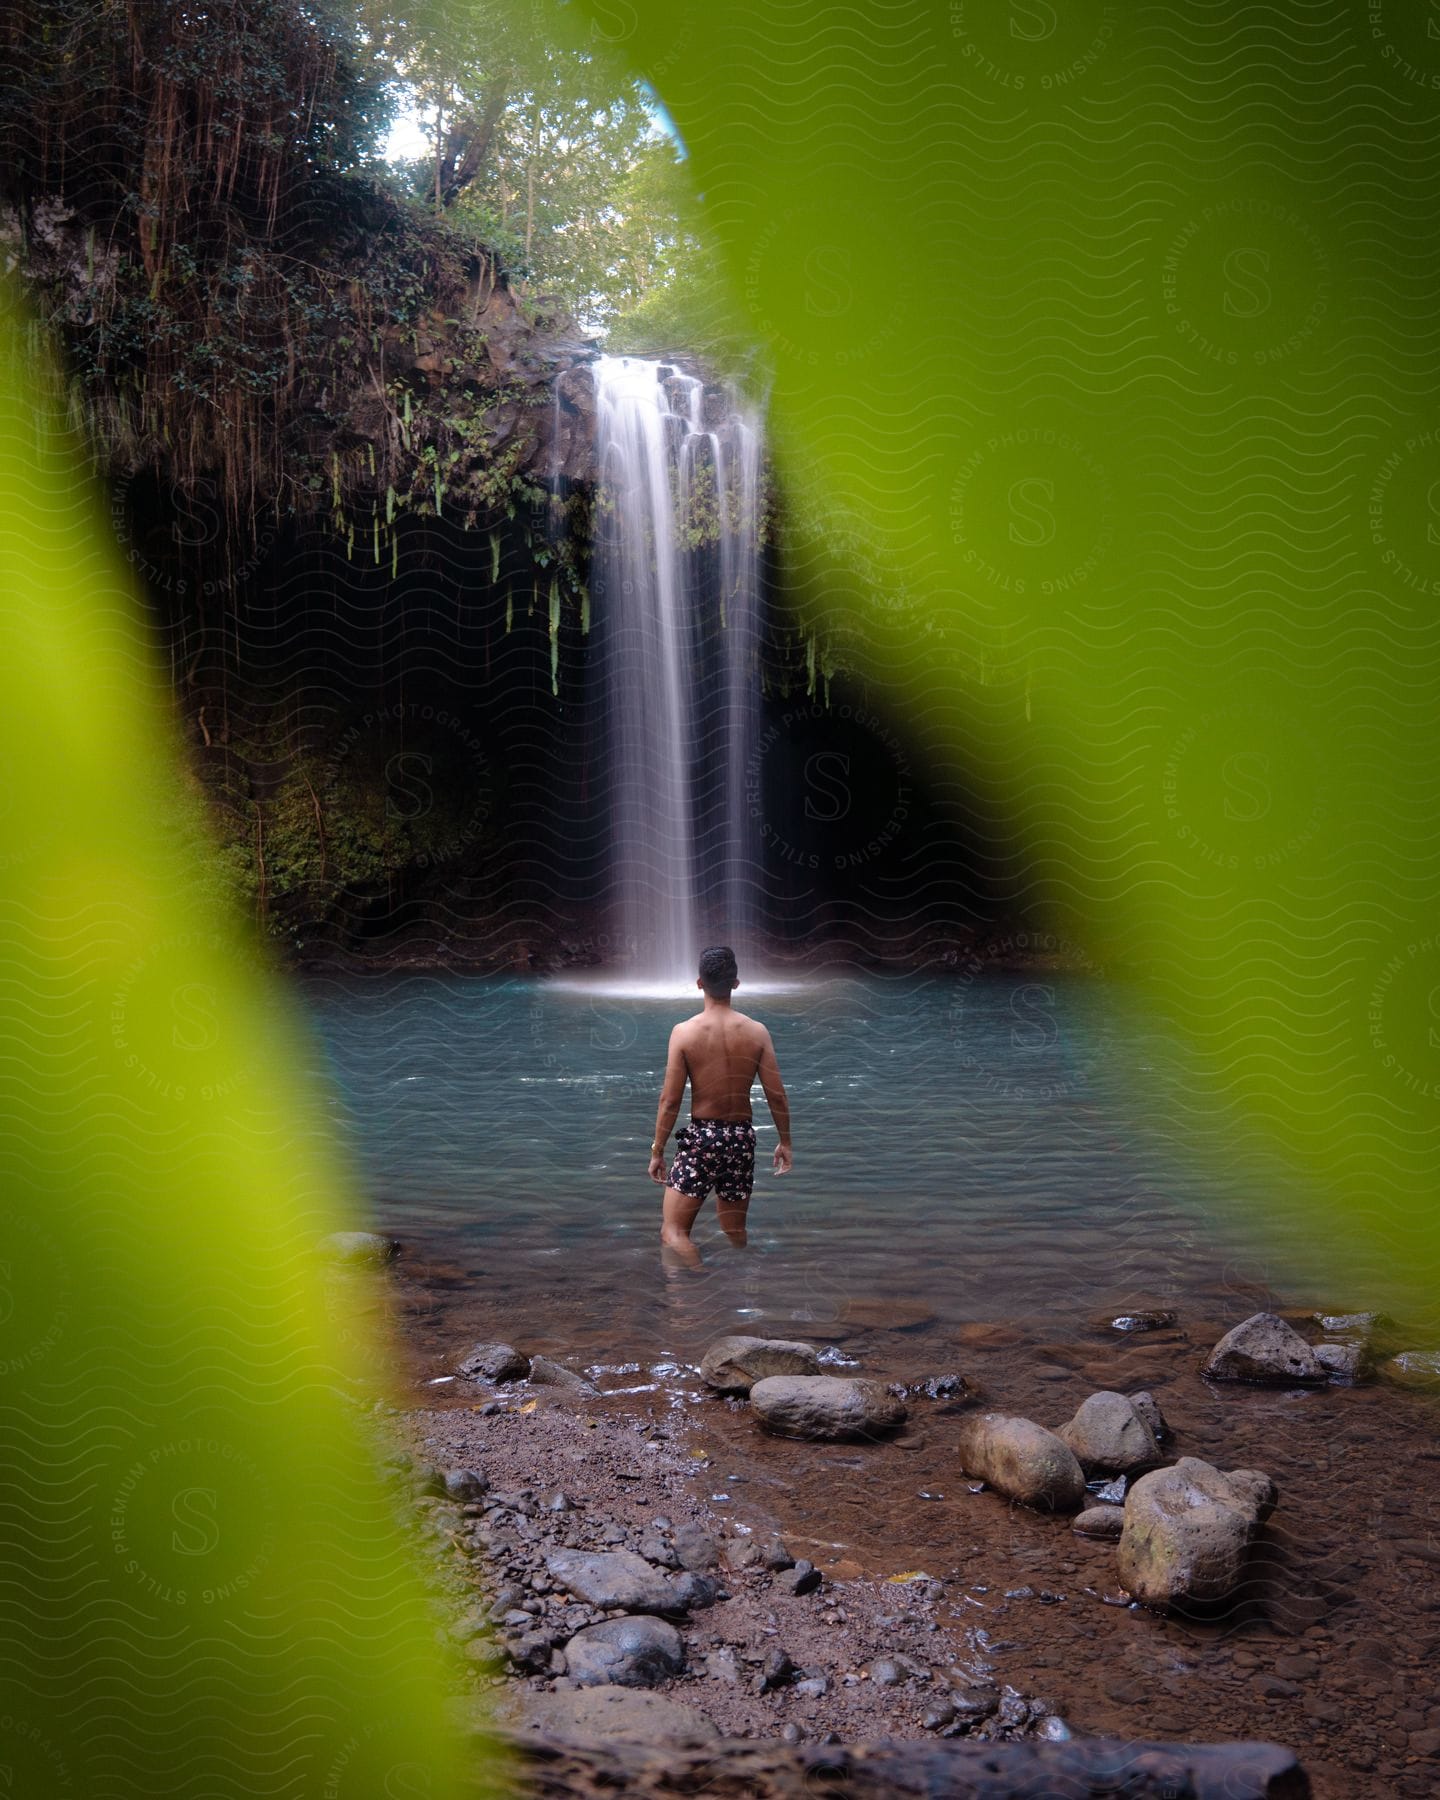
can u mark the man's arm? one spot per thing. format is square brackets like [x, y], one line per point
[672, 1092]
[778, 1101]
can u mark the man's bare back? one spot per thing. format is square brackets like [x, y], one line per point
[720, 1053]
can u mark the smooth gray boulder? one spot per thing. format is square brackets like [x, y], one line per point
[1099, 1522]
[825, 1408]
[695, 1548]
[1188, 1530]
[635, 1652]
[615, 1715]
[1263, 1348]
[494, 1362]
[1110, 1437]
[466, 1485]
[735, 1364]
[544, 1373]
[360, 1248]
[1022, 1460]
[613, 1578]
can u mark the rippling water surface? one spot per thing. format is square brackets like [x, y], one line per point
[967, 1149]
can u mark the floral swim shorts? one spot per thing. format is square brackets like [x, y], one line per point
[718, 1153]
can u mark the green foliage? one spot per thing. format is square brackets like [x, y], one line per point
[311, 838]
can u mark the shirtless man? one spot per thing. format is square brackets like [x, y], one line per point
[721, 1052]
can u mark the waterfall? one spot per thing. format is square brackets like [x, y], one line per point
[677, 596]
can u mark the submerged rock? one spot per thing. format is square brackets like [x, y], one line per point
[365, 1248]
[1099, 1522]
[1187, 1532]
[735, 1364]
[635, 1652]
[611, 1578]
[1109, 1436]
[1348, 1325]
[1263, 1348]
[825, 1408]
[544, 1373]
[1022, 1460]
[1415, 1368]
[1342, 1362]
[494, 1362]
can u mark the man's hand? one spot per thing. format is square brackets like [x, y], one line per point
[784, 1161]
[657, 1166]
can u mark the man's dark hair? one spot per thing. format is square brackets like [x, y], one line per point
[718, 971]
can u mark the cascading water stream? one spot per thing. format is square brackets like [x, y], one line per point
[677, 579]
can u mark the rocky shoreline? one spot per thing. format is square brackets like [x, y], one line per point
[602, 1585]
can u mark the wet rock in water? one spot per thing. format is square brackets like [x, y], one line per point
[494, 1362]
[1155, 1319]
[1415, 1368]
[800, 1578]
[735, 1364]
[1342, 1362]
[614, 1578]
[1188, 1530]
[941, 1387]
[544, 1373]
[1348, 1325]
[615, 1714]
[1099, 1522]
[636, 1652]
[466, 1484]
[1148, 1408]
[695, 1549]
[1263, 1349]
[1108, 1436]
[886, 1313]
[825, 1408]
[1022, 1460]
[362, 1249]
